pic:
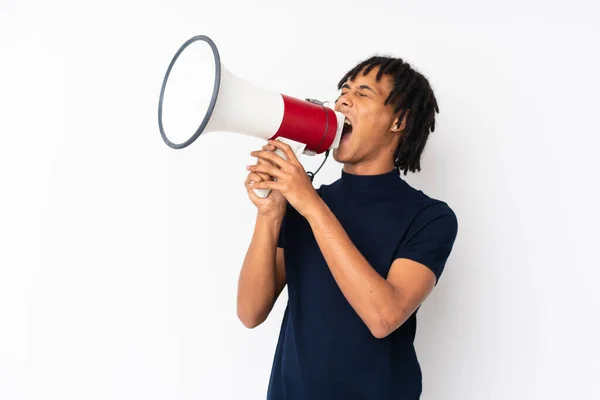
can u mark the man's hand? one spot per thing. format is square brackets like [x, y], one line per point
[274, 204]
[292, 181]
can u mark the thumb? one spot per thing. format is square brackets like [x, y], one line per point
[253, 196]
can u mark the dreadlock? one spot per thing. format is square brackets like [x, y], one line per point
[412, 96]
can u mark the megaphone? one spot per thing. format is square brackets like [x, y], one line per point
[204, 96]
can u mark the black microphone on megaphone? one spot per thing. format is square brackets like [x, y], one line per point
[203, 96]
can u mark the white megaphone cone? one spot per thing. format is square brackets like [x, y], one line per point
[235, 105]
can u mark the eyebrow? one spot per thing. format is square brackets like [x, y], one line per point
[365, 87]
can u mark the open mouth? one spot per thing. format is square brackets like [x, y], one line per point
[347, 127]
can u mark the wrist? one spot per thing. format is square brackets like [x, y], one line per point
[268, 227]
[269, 219]
[317, 212]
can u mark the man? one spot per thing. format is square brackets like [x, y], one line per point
[359, 256]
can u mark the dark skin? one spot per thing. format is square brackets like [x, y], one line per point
[382, 304]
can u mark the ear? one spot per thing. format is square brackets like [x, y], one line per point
[396, 126]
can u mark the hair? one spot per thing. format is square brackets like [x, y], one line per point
[412, 96]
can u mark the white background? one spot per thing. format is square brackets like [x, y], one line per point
[120, 256]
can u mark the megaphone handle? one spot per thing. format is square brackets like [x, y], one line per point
[297, 147]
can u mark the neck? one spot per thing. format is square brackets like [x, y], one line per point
[370, 181]
[369, 168]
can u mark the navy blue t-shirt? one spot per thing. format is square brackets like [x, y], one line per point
[325, 351]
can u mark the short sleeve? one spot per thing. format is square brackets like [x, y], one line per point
[430, 238]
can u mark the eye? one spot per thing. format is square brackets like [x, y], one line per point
[362, 95]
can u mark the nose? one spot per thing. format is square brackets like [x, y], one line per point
[344, 101]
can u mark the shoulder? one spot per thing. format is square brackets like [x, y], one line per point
[431, 220]
[430, 235]
[427, 208]
[433, 210]
[435, 220]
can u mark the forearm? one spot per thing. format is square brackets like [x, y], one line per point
[371, 296]
[257, 285]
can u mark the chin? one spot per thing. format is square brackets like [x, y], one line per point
[340, 156]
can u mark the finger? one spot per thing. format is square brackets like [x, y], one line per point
[271, 158]
[260, 161]
[273, 185]
[264, 177]
[254, 177]
[269, 147]
[250, 190]
[287, 150]
[253, 196]
[267, 169]
[266, 147]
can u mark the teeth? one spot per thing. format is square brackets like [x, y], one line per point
[346, 122]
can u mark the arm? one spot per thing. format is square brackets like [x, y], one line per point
[262, 277]
[382, 304]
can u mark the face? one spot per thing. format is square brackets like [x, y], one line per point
[372, 137]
